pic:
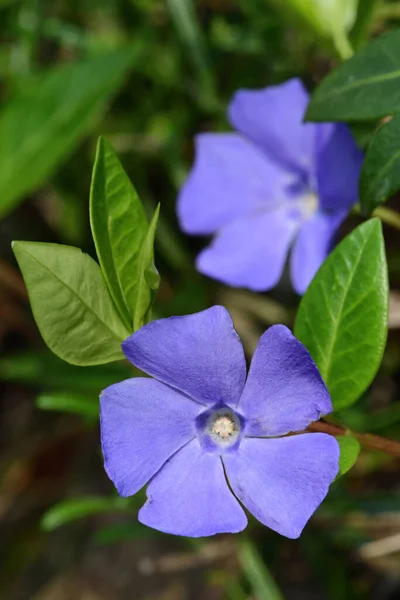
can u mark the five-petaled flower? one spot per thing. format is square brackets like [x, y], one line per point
[199, 425]
[276, 183]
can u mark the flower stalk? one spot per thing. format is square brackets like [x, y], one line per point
[367, 440]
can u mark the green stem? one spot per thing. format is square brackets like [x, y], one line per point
[389, 11]
[342, 44]
[387, 215]
[367, 11]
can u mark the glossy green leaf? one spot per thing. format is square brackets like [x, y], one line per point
[119, 225]
[365, 87]
[79, 508]
[43, 123]
[342, 318]
[72, 403]
[380, 175]
[71, 303]
[349, 451]
[148, 279]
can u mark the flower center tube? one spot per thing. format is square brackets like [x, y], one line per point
[224, 427]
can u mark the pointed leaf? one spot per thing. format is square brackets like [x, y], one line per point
[349, 451]
[342, 319]
[119, 225]
[380, 175]
[365, 87]
[71, 303]
[42, 123]
[148, 279]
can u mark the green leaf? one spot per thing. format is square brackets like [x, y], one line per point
[257, 573]
[71, 303]
[148, 279]
[349, 451]
[365, 87]
[78, 508]
[380, 175]
[119, 225]
[342, 318]
[67, 402]
[42, 124]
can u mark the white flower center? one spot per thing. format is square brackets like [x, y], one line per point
[309, 203]
[224, 427]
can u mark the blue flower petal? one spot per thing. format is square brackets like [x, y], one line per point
[251, 252]
[283, 481]
[143, 422]
[200, 355]
[338, 164]
[273, 119]
[284, 391]
[312, 246]
[190, 496]
[231, 178]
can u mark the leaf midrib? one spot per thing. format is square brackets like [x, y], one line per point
[358, 83]
[336, 326]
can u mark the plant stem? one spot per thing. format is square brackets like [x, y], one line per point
[389, 11]
[342, 44]
[367, 440]
[367, 11]
[385, 214]
[388, 216]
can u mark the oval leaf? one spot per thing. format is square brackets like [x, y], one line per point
[342, 319]
[380, 174]
[349, 451]
[71, 303]
[365, 87]
[119, 225]
[148, 279]
[41, 125]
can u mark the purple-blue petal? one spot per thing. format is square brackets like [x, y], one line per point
[338, 165]
[201, 355]
[251, 252]
[143, 422]
[273, 119]
[312, 246]
[231, 178]
[284, 391]
[283, 481]
[190, 496]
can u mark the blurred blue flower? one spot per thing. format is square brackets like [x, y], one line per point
[276, 183]
[199, 423]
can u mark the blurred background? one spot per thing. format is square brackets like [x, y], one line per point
[149, 75]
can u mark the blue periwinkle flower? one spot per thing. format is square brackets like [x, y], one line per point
[276, 183]
[200, 424]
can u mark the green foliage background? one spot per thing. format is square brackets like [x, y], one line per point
[148, 75]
